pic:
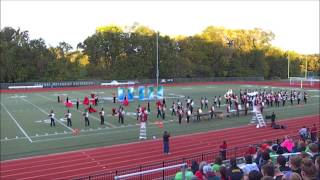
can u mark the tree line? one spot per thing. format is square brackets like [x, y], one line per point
[113, 52]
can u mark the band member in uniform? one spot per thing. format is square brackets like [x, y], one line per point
[212, 111]
[163, 111]
[101, 113]
[299, 97]
[51, 115]
[114, 98]
[78, 102]
[148, 106]
[96, 100]
[215, 100]
[138, 112]
[86, 117]
[180, 113]
[68, 116]
[199, 111]
[121, 114]
[202, 102]
[173, 109]
[159, 110]
[188, 115]
[206, 103]
[67, 99]
[58, 99]
[219, 101]
[305, 97]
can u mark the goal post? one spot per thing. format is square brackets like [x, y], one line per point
[302, 81]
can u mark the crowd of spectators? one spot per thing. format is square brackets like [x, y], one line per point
[283, 160]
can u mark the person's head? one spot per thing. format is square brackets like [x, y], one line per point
[255, 175]
[268, 170]
[291, 176]
[165, 132]
[201, 165]
[265, 156]
[308, 169]
[207, 169]
[233, 163]
[281, 160]
[218, 160]
[317, 163]
[248, 159]
[267, 178]
[313, 148]
[295, 162]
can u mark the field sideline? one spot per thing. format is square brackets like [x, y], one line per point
[25, 130]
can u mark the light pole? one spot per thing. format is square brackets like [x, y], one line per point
[157, 46]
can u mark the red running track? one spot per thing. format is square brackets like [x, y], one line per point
[106, 159]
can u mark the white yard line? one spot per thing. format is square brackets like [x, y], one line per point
[40, 109]
[21, 129]
[111, 125]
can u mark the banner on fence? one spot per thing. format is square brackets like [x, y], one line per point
[150, 92]
[160, 92]
[121, 93]
[141, 92]
[130, 93]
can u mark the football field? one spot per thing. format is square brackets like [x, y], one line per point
[26, 131]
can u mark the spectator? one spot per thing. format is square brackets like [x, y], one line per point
[223, 173]
[234, 172]
[277, 173]
[255, 175]
[199, 173]
[281, 161]
[188, 174]
[287, 144]
[194, 166]
[308, 170]
[265, 158]
[295, 164]
[217, 164]
[292, 176]
[266, 178]
[313, 133]
[209, 174]
[223, 150]
[314, 151]
[267, 170]
[303, 132]
[166, 137]
[250, 166]
[317, 163]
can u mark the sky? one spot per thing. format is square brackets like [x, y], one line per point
[294, 23]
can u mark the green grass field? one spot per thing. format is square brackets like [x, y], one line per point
[26, 131]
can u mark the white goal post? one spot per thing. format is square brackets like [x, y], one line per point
[302, 81]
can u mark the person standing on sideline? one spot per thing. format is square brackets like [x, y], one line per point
[86, 118]
[102, 116]
[78, 102]
[166, 137]
[223, 150]
[68, 116]
[51, 115]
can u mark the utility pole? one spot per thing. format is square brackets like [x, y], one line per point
[157, 44]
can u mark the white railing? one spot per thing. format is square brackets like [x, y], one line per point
[183, 165]
[25, 87]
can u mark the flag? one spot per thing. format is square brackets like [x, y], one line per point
[86, 100]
